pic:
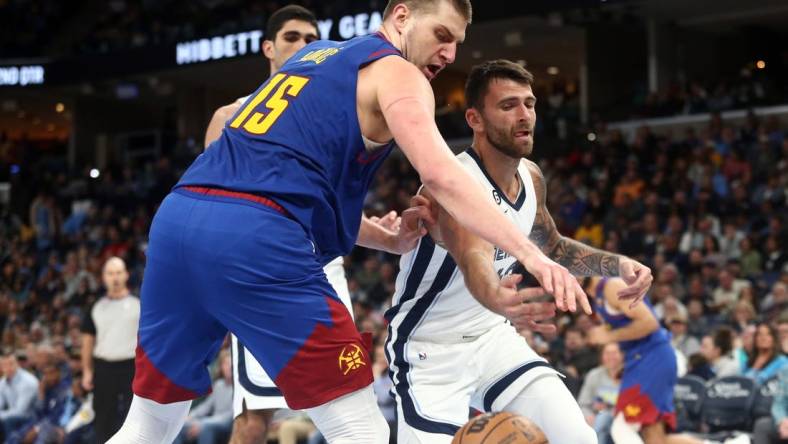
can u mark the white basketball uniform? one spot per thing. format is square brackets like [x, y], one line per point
[251, 384]
[447, 352]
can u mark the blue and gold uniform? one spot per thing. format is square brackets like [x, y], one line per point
[241, 241]
[650, 374]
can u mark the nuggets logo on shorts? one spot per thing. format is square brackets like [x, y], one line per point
[351, 358]
[631, 410]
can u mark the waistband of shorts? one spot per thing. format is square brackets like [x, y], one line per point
[220, 192]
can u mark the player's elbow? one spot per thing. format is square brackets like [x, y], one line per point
[650, 325]
[439, 181]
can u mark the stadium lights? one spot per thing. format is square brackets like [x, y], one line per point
[591, 137]
[552, 70]
[59, 107]
[760, 64]
[94, 173]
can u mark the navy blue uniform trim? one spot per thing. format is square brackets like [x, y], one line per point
[496, 389]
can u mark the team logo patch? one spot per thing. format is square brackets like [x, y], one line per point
[631, 410]
[351, 358]
[496, 196]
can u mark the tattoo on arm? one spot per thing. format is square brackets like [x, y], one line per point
[580, 259]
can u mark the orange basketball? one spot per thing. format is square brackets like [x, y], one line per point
[499, 428]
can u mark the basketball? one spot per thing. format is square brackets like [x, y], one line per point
[499, 428]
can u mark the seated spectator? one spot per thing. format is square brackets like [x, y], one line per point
[686, 344]
[290, 427]
[742, 315]
[698, 322]
[53, 396]
[697, 365]
[774, 428]
[18, 390]
[212, 419]
[727, 292]
[599, 392]
[717, 348]
[767, 358]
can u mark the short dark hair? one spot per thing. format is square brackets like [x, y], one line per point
[723, 339]
[285, 14]
[462, 6]
[481, 75]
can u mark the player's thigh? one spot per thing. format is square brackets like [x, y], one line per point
[335, 273]
[508, 366]
[279, 304]
[253, 389]
[407, 434]
[433, 384]
[177, 335]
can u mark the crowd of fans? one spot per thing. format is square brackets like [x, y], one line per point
[707, 210]
[750, 88]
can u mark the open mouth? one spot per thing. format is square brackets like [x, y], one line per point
[522, 133]
[433, 70]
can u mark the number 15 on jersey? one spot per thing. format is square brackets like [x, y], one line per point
[284, 87]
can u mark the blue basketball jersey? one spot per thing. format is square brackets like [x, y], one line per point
[618, 320]
[297, 141]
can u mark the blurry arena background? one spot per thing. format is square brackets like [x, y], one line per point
[662, 128]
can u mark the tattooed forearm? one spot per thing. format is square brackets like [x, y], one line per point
[578, 258]
[582, 260]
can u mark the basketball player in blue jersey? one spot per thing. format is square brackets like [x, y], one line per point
[255, 396]
[644, 410]
[241, 241]
[449, 345]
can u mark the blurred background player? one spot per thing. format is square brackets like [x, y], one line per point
[644, 409]
[109, 338]
[255, 396]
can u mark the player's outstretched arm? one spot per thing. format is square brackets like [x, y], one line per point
[395, 234]
[643, 320]
[220, 117]
[409, 111]
[579, 258]
[473, 256]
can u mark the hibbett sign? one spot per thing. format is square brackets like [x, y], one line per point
[243, 43]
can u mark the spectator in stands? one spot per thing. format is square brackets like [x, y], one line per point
[53, 394]
[109, 340]
[599, 392]
[212, 419]
[683, 342]
[698, 322]
[18, 390]
[576, 358]
[743, 315]
[767, 358]
[774, 429]
[717, 349]
[727, 292]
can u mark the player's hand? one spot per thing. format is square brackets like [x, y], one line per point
[412, 224]
[391, 221]
[638, 278]
[599, 335]
[557, 281]
[521, 308]
[87, 381]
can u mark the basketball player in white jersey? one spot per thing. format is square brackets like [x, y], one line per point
[255, 396]
[450, 346]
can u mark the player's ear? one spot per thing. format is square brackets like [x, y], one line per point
[474, 119]
[268, 49]
[401, 15]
